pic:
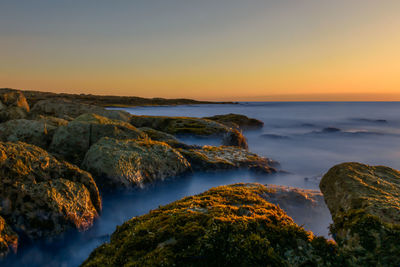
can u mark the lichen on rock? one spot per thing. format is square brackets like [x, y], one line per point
[237, 121]
[41, 196]
[37, 133]
[227, 157]
[224, 226]
[68, 109]
[193, 127]
[72, 141]
[129, 163]
[13, 105]
[365, 205]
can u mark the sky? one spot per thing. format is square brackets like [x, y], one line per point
[210, 50]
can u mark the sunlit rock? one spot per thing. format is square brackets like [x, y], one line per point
[225, 226]
[365, 205]
[72, 141]
[41, 196]
[237, 121]
[227, 157]
[13, 105]
[8, 239]
[128, 163]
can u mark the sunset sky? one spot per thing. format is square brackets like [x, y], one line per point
[209, 49]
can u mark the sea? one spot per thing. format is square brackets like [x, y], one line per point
[306, 138]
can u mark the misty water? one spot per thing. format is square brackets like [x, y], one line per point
[306, 138]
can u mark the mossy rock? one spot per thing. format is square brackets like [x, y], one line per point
[364, 203]
[41, 196]
[192, 126]
[227, 157]
[130, 163]
[225, 226]
[8, 239]
[237, 121]
[72, 141]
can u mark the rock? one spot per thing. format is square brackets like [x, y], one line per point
[68, 110]
[225, 226]
[41, 196]
[128, 163]
[237, 121]
[191, 126]
[8, 239]
[364, 203]
[226, 157]
[166, 138]
[33, 132]
[49, 120]
[13, 105]
[72, 141]
[305, 206]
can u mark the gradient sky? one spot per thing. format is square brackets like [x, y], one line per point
[209, 49]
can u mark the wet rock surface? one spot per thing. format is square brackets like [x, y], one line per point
[227, 225]
[364, 203]
[41, 196]
[128, 163]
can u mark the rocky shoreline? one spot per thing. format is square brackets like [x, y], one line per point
[58, 155]
[108, 100]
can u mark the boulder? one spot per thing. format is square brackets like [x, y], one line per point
[49, 120]
[13, 105]
[68, 109]
[128, 163]
[237, 121]
[166, 138]
[41, 196]
[33, 132]
[227, 157]
[225, 226]
[364, 203]
[192, 126]
[72, 141]
[8, 239]
[305, 206]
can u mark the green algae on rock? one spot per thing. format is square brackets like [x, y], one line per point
[225, 226]
[226, 157]
[8, 239]
[192, 126]
[72, 141]
[365, 205]
[41, 196]
[237, 121]
[128, 163]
